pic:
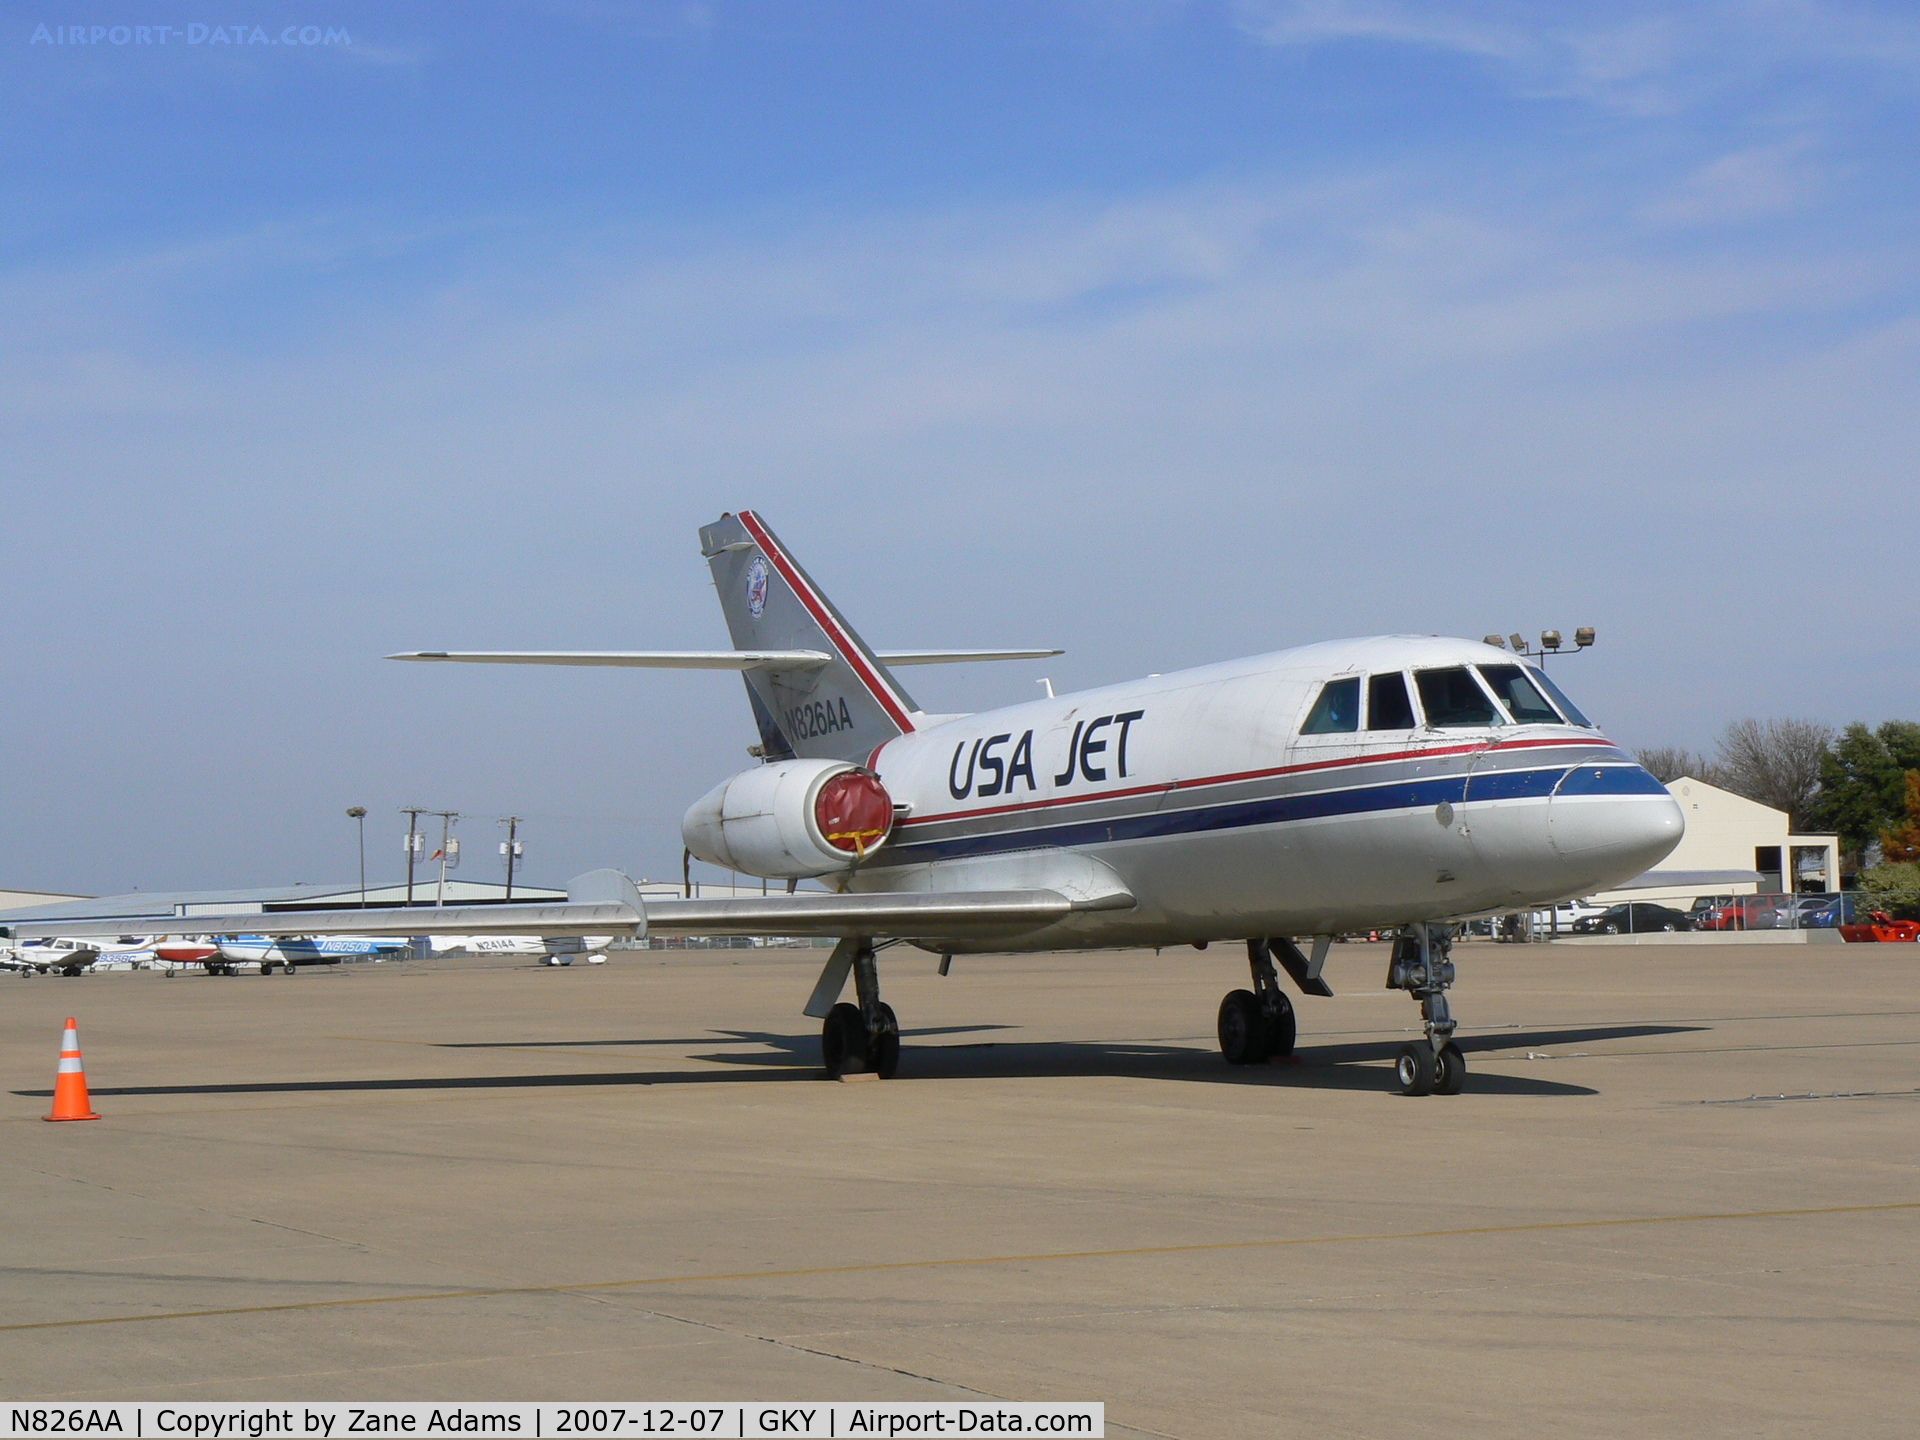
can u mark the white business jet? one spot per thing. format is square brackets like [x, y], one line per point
[1399, 782]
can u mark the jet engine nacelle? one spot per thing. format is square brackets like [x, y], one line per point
[791, 819]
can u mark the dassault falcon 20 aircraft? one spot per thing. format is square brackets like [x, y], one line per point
[1400, 782]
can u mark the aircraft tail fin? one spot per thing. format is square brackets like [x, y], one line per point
[843, 710]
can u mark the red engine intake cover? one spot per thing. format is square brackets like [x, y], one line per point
[854, 811]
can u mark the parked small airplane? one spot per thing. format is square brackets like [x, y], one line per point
[1398, 782]
[41, 957]
[553, 950]
[71, 957]
[289, 951]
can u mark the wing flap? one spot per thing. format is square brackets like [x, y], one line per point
[891, 914]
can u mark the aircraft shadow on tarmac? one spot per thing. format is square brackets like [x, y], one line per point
[1353, 1066]
[679, 1040]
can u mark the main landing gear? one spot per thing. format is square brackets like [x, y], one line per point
[1421, 966]
[1257, 1024]
[863, 1038]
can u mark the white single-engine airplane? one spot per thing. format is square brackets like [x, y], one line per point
[1402, 782]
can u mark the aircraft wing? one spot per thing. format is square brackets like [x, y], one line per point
[549, 919]
[1704, 879]
[606, 902]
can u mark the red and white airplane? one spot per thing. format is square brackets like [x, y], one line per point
[1398, 782]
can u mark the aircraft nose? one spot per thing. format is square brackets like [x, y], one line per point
[1611, 823]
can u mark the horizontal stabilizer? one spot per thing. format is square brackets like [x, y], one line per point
[957, 657]
[712, 659]
[641, 659]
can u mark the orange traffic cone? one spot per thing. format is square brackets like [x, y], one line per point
[70, 1100]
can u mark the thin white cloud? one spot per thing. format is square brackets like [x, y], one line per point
[1747, 184]
[1644, 57]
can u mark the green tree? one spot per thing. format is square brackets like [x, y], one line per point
[1893, 888]
[1863, 781]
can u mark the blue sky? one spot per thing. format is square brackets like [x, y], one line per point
[1163, 332]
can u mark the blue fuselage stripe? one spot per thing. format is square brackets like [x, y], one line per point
[1280, 809]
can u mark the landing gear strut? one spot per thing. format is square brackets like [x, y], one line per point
[863, 1038]
[1257, 1024]
[1421, 966]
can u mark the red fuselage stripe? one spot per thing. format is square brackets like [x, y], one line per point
[824, 619]
[1245, 775]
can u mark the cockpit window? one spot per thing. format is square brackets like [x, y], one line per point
[1567, 707]
[1452, 697]
[1337, 710]
[1523, 701]
[1388, 705]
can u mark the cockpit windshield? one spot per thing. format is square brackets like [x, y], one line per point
[1388, 707]
[1514, 690]
[1337, 711]
[1452, 697]
[1567, 707]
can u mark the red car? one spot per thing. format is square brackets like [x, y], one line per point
[1882, 927]
[1742, 912]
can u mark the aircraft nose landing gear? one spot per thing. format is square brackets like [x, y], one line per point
[1422, 966]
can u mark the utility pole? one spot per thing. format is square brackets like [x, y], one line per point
[510, 847]
[358, 814]
[449, 852]
[413, 842]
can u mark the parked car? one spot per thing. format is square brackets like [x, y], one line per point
[1879, 925]
[1634, 917]
[1563, 918]
[1746, 912]
[1806, 906]
[1833, 910]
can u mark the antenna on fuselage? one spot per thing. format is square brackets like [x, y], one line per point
[1046, 681]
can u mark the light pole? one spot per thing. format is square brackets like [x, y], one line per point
[1550, 644]
[358, 814]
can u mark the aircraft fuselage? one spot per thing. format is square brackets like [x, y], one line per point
[1207, 795]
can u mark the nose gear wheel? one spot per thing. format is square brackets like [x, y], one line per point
[1422, 966]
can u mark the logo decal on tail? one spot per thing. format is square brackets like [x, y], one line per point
[757, 587]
